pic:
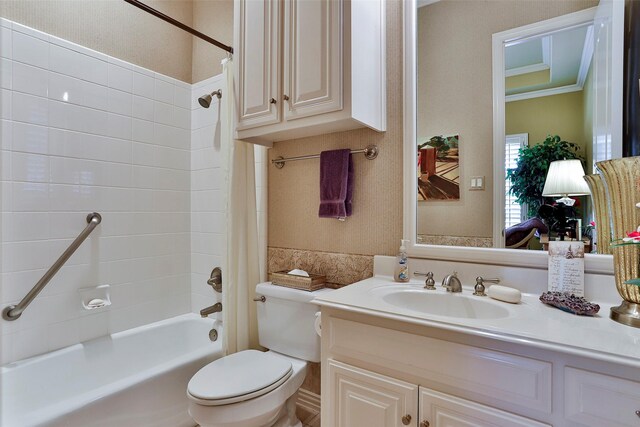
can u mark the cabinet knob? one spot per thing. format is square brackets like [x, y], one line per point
[406, 419]
[638, 414]
[424, 424]
[285, 97]
[272, 101]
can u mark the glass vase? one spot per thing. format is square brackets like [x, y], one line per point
[601, 210]
[622, 180]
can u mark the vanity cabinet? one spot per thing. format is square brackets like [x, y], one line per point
[594, 400]
[441, 409]
[309, 67]
[365, 398]
[387, 372]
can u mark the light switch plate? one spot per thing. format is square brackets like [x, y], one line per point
[477, 183]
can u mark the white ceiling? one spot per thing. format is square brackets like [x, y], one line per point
[564, 53]
[525, 54]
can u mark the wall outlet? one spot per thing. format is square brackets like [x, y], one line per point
[477, 183]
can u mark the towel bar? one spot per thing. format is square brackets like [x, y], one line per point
[370, 152]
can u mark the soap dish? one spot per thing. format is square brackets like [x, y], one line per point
[95, 299]
[570, 303]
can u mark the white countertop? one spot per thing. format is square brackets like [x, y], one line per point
[529, 323]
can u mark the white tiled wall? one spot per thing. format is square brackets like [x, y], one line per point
[208, 244]
[82, 132]
[85, 132]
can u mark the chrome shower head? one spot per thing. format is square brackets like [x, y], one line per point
[205, 100]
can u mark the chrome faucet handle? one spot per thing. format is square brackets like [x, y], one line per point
[452, 283]
[429, 284]
[479, 288]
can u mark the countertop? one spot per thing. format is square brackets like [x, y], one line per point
[529, 322]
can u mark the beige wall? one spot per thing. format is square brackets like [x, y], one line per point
[115, 28]
[215, 19]
[118, 29]
[550, 115]
[455, 95]
[376, 224]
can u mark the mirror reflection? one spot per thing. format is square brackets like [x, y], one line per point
[548, 93]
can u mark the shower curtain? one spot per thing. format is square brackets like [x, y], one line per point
[242, 272]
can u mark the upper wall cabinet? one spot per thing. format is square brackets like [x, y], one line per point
[308, 67]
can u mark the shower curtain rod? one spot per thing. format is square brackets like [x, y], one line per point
[170, 20]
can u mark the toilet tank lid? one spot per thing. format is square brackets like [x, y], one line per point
[270, 290]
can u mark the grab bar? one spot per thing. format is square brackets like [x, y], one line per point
[13, 312]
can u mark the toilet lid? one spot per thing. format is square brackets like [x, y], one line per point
[240, 374]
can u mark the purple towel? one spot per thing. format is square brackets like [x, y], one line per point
[336, 184]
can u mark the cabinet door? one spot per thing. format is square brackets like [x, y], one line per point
[596, 400]
[258, 62]
[443, 410]
[364, 398]
[313, 57]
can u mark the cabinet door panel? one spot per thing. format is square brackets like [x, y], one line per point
[313, 57]
[364, 398]
[595, 400]
[444, 410]
[508, 379]
[258, 56]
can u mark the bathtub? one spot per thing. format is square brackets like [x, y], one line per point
[136, 378]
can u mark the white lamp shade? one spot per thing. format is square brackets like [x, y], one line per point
[565, 178]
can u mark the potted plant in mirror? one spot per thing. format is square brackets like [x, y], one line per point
[528, 177]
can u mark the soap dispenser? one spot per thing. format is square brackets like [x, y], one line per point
[401, 273]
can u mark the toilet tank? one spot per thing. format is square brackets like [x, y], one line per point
[286, 321]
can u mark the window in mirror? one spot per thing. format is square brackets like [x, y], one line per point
[514, 212]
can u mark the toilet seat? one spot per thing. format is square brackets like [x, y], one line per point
[238, 377]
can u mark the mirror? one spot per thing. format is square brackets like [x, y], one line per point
[494, 80]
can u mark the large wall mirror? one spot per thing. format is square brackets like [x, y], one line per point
[495, 91]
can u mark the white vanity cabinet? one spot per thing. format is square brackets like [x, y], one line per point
[387, 372]
[441, 409]
[365, 398]
[309, 67]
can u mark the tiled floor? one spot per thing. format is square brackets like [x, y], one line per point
[312, 421]
[309, 418]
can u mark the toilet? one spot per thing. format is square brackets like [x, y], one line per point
[259, 389]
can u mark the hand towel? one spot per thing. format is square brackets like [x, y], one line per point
[336, 184]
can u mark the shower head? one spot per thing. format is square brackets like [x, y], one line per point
[205, 100]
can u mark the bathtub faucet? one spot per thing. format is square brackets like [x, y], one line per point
[215, 308]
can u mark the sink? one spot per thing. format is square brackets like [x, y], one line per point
[442, 304]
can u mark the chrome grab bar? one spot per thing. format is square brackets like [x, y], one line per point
[13, 312]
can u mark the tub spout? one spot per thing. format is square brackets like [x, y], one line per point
[215, 308]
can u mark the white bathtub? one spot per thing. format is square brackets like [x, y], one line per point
[133, 378]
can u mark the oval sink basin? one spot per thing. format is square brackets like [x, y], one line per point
[440, 304]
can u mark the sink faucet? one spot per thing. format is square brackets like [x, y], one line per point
[215, 308]
[452, 283]
[479, 288]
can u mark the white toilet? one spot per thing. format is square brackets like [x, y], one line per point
[258, 389]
